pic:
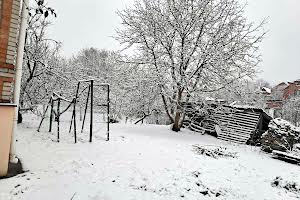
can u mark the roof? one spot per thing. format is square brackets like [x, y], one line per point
[268, 90]
[250, 108]
[280, 86]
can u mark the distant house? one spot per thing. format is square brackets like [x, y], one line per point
[280, 87]
[274, 106]
[266, 91]
[279, 94]
[293, 89]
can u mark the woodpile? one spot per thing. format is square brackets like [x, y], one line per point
[281, 136]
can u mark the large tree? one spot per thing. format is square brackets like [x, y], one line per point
[191, 46]
[41, 58]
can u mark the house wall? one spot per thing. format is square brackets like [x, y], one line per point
[6, 125]
[292, 90]
[274, 104]
[9, 26]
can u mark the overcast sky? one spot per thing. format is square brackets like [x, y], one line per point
[92, 23]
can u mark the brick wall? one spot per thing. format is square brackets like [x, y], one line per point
[274, 103]
[291, 90]
[9, 27]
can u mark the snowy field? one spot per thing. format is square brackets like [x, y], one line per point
[140, 162]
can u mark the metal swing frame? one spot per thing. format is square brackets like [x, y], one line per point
[90, 96]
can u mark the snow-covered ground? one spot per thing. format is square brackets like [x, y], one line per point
[140, 162]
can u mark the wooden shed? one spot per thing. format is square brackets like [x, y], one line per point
[239, 124]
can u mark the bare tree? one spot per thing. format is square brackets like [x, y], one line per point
[263, 83]
[191, 46]
[41, 59]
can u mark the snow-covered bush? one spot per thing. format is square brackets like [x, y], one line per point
[41, 72]
[281, 136]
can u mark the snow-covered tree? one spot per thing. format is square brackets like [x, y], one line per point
[41, 59]
[141, 95]
[133, 93]
[191, 47]
[263, 83]
[291, 110]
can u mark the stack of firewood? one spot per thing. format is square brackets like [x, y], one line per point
[281, 136]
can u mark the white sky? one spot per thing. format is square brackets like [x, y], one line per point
[92, 23]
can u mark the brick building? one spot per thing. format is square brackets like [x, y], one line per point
[9, 78]
[9, 27]
[279, 94]
[293, 89]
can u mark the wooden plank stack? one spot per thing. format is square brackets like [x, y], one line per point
[237, 126]
[288, 157]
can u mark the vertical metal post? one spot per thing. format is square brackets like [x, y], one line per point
[91, 118]
[74, 114]
[58, 105]
[51, 115]
[108, 118]
[85, 109]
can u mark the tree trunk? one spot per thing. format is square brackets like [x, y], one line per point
[184, 109]
[176, 126]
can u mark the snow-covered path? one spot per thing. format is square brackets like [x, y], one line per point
[141, 162]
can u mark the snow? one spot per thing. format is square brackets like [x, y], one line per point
[283, 124]
[244, 107]
[268, 90]
[140, 162]
[292, 155]
[209, 99]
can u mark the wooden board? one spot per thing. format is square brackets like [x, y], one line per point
[286, 157]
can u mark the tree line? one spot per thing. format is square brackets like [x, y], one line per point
[184, 51]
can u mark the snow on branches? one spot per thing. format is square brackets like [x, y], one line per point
[191, 46]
